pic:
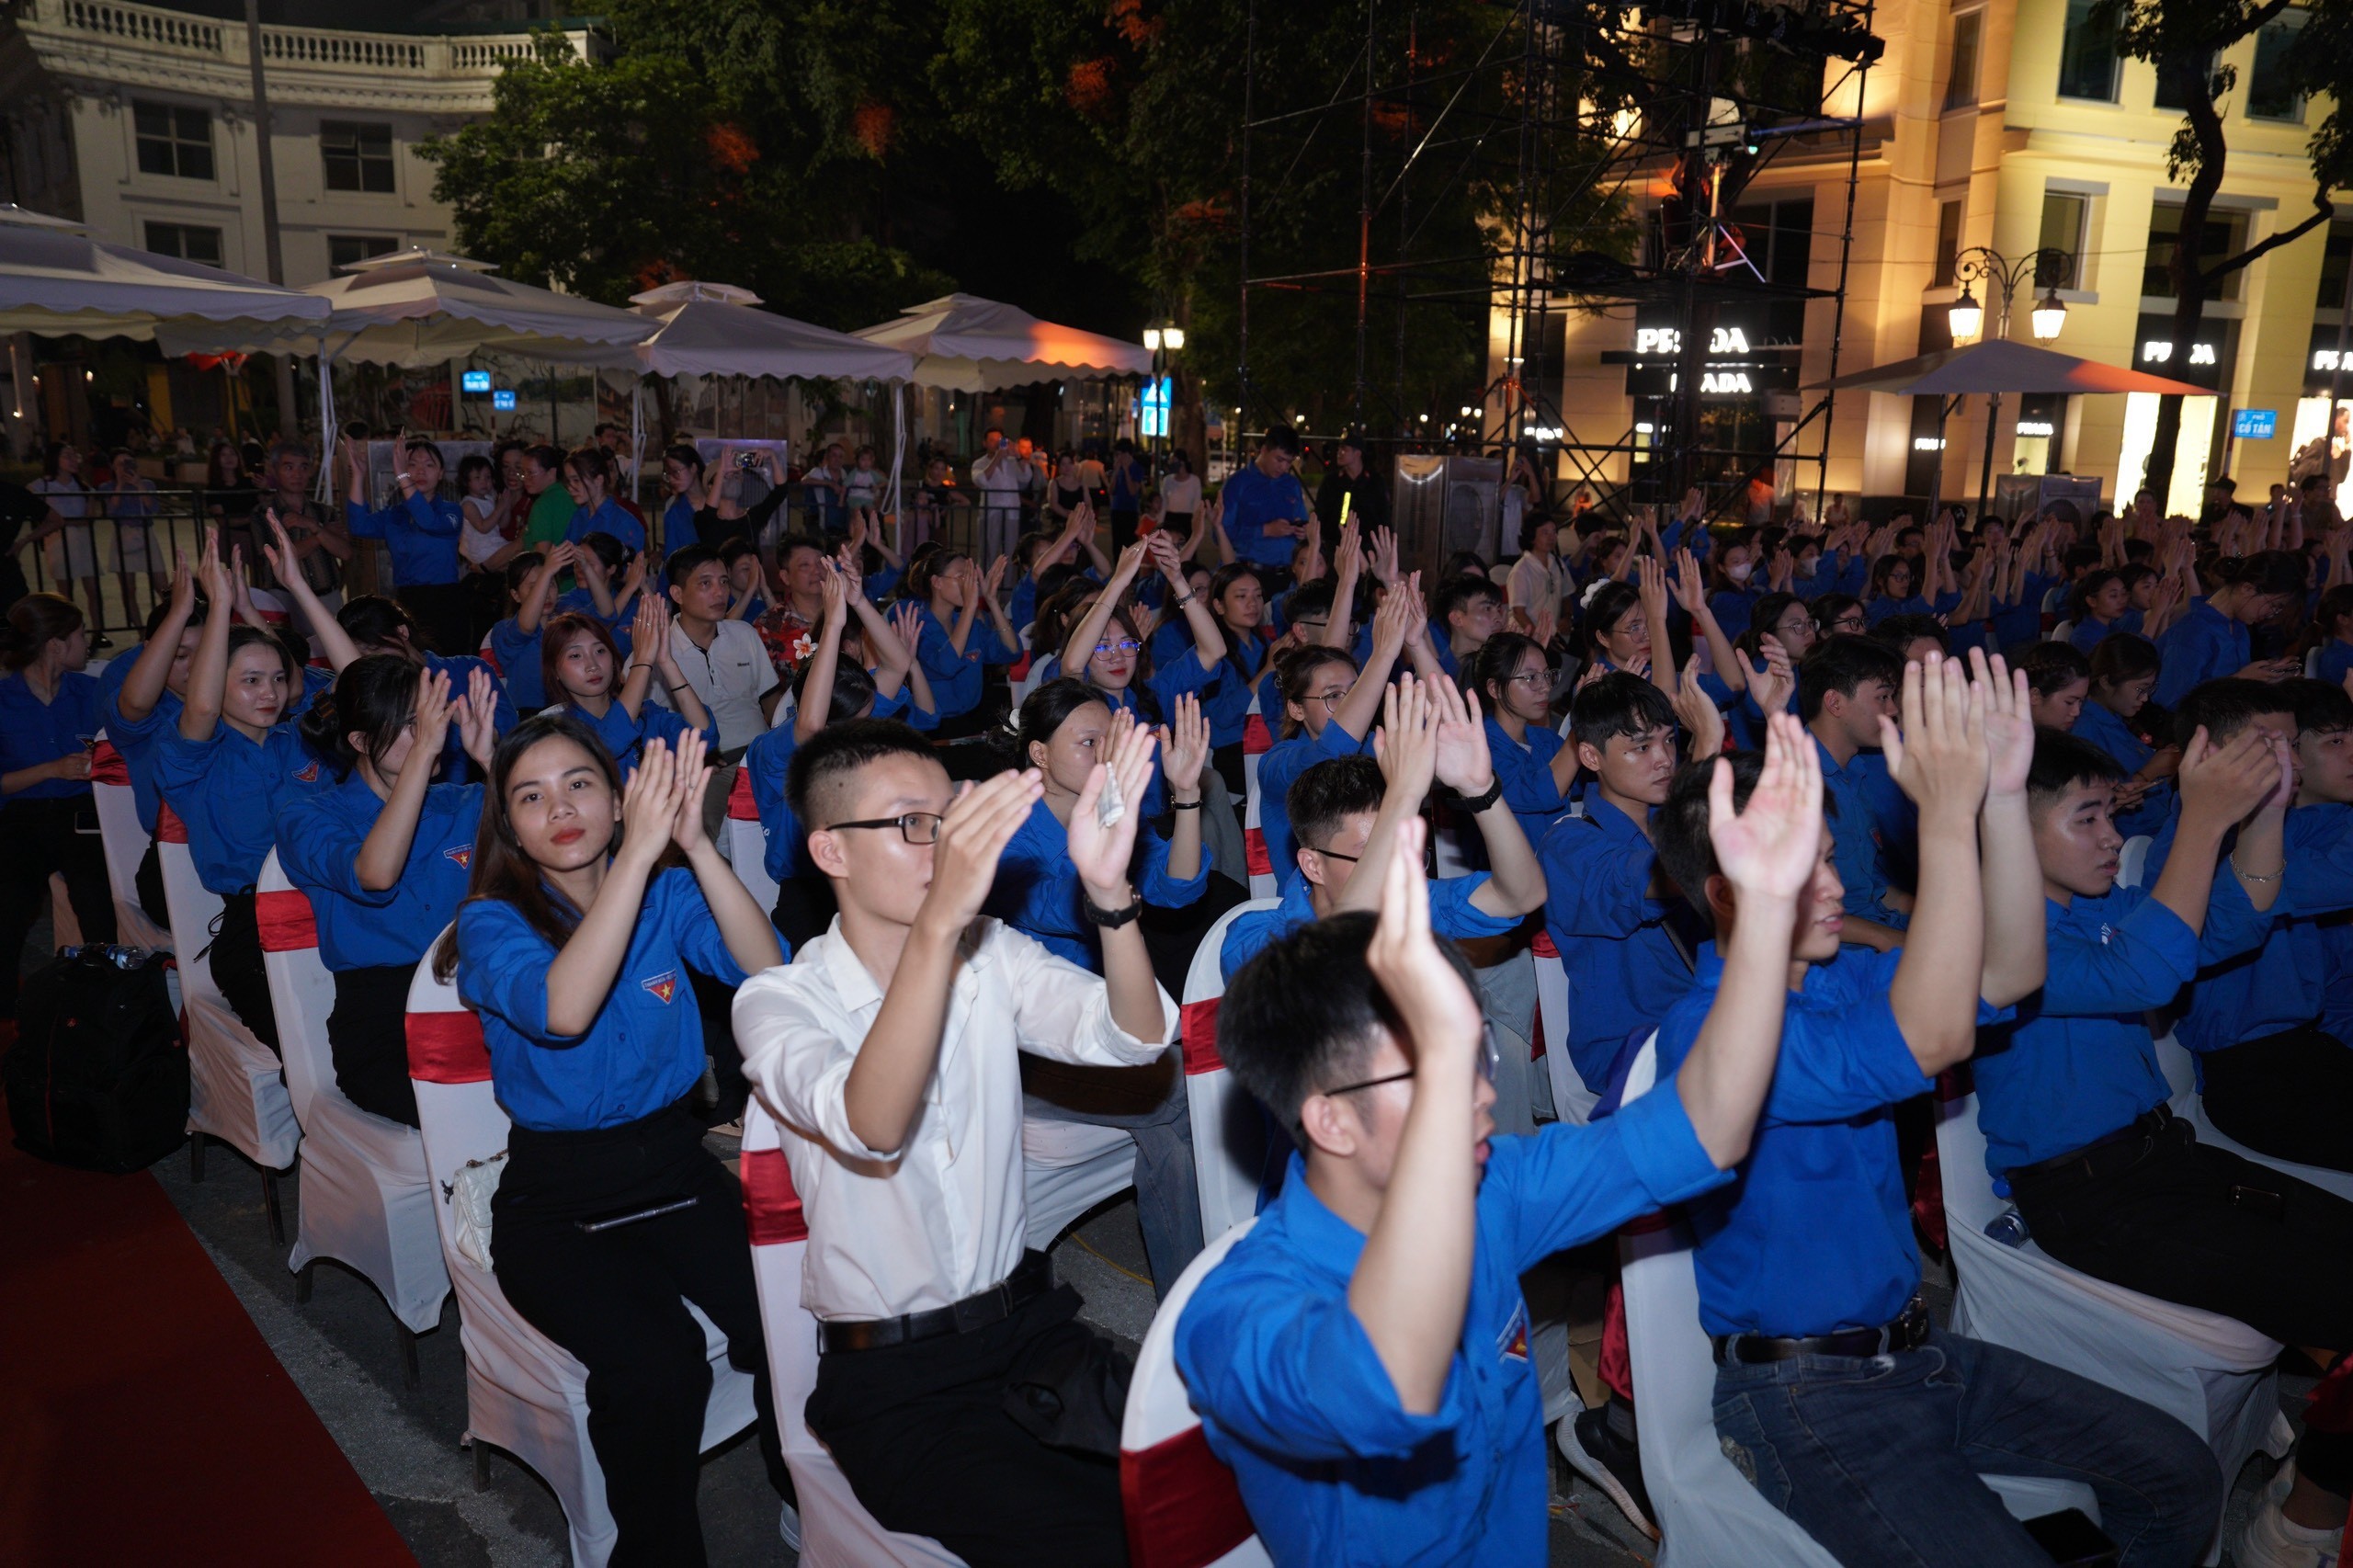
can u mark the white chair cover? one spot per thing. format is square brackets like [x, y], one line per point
[366, 1201]
[236, 1090]
[2062, 632]
[1165, 1453]
[1228, 1136]
[523, 1395]
[2311, 665]
[1572, 1101]
[2212, 1373]
[2181, 1074]
[2131, 860]
[1257, 741]
[1709, 1516]
[835, 1530]
[125, 843]
[746, 842]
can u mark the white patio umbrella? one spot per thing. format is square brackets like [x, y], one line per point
[56, 280]
[962, 343]
[714, 329]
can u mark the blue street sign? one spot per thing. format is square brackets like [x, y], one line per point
[474, 380]
[502, 399]
[1153, 414]
[2255, 423]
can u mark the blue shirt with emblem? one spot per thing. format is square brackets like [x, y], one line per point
[2203, 645]
[1815, 1235]
[1524, 769]
[643, 1051]
[1624, 964]
[623, 736]
[33, 731]
[609, 518]
[230, 792]
[135, 738]
[956, 677]
[420, 533]
[1279, 769]
[1293, 1397]
[319, 840]
[1250, 501]
[1037, 890]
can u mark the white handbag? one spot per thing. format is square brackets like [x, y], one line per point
[470, 1196]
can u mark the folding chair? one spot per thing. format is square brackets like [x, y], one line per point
[1709, 1515]
[364, 1201]
[2063, 632]
[1068, 1167]
[748, 841]
[236, 1088]
[1183, 1507]
[1229, 1129]
[835, 1530]
[125, 843]
[525, 1394]
[2212, 1373]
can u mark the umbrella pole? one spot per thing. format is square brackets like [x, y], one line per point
[1985, 469]
[637, 436]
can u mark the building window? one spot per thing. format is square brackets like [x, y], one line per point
[186, 241]
[1960, 84]
[2225, 237]
[172, 139]
[1948, 243]
[2329, 303]
[359, 157]
[2088, 58]
[2272, 88]
[2166, 97]
[2062, 230]
[344, 249]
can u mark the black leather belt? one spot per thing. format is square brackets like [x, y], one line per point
[1034, 1277]
[1908, 1332]
[2089, 1161]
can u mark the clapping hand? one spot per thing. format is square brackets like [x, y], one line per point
[1406, 743]
[477, 717]
[1462, 763]
[1940, 757]
[1773, 684]
[650, 804]
[1697, 711]
[2230, 782]
[837, 600]
[689, 778]
[1688, 587]
[1185, 747]
[973, 833]
[1101, 853]
[1771, 850]
[1444, 1027]
[2009, 721]
[430, 725]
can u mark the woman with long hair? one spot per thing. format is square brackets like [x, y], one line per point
[48, 716]
[379, 625]
[590, 477]
[2118, 717]
[420, 530]
[1105, 651]
[580, 668]
[1238, 602]
[586, 904]
[964, 630]
[384, 857]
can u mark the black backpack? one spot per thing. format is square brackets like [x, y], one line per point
[98, 1075]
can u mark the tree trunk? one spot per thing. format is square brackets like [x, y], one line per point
[2188, 79]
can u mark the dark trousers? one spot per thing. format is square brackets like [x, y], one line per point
[236, 958]
[921, 1431]
[2288, 1095]
[445, 612]
[37, 837]
[1879, 1455]
[367, 1035]
[1227, 760]
[149, 880]
[617, 1299]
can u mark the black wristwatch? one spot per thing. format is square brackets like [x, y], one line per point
[1474, 804]
[1109, 919]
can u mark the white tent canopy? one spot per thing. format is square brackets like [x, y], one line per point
[715, 329]
[56, 280]
[962, 343]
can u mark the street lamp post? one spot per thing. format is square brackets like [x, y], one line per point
[1162, 339]
[1967, 317]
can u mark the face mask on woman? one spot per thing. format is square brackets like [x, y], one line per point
[1806, 566]
[1739, 573]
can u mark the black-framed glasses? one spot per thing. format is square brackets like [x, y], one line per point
[1491, 1058]
[916, 827]
[1334, 855]
[1330, 698]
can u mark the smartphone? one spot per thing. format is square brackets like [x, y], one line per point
[620, 1217]
[2257, 1201]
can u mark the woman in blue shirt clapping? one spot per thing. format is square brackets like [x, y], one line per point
[49, 714]
[587, 905]
[384, 857]
[579, 665]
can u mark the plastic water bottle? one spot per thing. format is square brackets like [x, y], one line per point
[2008, 1228]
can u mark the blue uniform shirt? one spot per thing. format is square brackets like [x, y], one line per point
[1525, 769]
[1279, 769]
[623, 735]
[956, 677]
[1733, 608]
[1815, 1235]
[33, 731]
[2102, 727]
[319, 839]
[644, 1050]
[1251, 501]
[1225, 698]
[461, 673]
[767, 761]
[230, 792]
[1451, 914]
[2077, 1063]
[1294, 1398]
[136, 739]
[1860, 820]
[2089, 632]
[421, 534]
[2272, 980]
[1624, 964]
[2335, 658]
[1037, 890]
[609, 518]
[1880, 607]
[2203, 645]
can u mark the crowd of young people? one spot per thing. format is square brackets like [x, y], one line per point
[1814, 815]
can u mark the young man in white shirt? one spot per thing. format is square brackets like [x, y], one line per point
[723, 658]
[888, 1051]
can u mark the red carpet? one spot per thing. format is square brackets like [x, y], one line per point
[142, 1419]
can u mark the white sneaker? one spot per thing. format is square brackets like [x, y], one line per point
[788, 1526]
[2270, 1540]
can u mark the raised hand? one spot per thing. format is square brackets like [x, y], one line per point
[1651, 585]
[973, 833]
[183, 588]
[1688, 587]
[1939, 758]
[2009, 721]
[649, 804]
[430, 723]
[1462, 763]
[1406, 744]
[836, 601]
[1131, 563]
[1698, 712]
[2228, 783]
[1543, 622]
[281, 555]
[1100, 852]
[1184, 746]
[1771, 848]
[906, 625]
[216, 577]
[1441, 1015]
[689, 778]
[996, 578]
[1384, 547]
[477, 717]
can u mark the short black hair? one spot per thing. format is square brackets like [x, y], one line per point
[1842, 663]
[1900, 631]
[1334, 788]
[1282, 438]
[2062, 761]
[2223, 708]
[2052, 666]
[1679, 828]
[1309, 601]
[607, 548]
[2321, 707]
[831, 758]
[1301, 1017]
[2123, 656]
[1617, 704]
[686, 559]
[1459, 591]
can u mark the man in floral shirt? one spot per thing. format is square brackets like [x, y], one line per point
[790, 630]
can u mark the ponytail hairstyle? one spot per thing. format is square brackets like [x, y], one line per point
[1497, 660]
[2053, 667]
[852, 695]
[33, 623]
[374, 621]
[1604, 607]
[1059, 613]
[593, 464]
[2079, 598]
[374, 696]
[556, 634]
[923, 576]
[1296, 676]
[501, 870]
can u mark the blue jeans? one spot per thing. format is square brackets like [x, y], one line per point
[1878, 1457]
